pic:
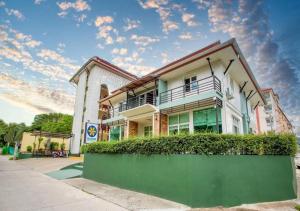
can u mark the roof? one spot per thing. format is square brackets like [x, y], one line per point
[52, 135]
[106, 65]
[199, 54]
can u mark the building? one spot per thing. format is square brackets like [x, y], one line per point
[212, 89]
[271, 117]
[92, 81]
[31, 139]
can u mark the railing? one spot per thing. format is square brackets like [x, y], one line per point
[140, 100]
[193, 88]
[132, 102]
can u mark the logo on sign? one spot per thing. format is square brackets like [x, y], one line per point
[91, 132]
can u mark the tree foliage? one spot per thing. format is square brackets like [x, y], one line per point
[3, 129]
[53, 122]
[14, 133]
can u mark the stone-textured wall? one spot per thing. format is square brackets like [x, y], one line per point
[132, 129]
[160, 124]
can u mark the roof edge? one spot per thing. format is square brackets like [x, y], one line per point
[108, 66]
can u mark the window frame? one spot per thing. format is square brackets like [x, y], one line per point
[179, 127]
[236, 124]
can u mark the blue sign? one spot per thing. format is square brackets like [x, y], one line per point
[91, 132]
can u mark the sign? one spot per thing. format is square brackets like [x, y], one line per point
[91, 132]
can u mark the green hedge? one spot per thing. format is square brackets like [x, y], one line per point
[208, 144]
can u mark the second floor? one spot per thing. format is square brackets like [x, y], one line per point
[219, 72]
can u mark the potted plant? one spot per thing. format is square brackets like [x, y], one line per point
[29, 148]
[54, 146]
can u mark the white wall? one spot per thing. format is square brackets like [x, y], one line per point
[97, 77]
[78, 111]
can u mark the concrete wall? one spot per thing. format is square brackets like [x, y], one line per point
[198, 180]
[97, 76]
[28, 140]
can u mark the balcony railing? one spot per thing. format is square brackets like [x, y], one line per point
[140, 100]
[193, 88]
[132, 102]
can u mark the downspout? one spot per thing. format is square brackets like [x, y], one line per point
[84, 105]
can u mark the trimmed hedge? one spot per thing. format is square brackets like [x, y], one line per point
[208, 144]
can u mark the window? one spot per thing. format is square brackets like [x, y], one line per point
[268, 108]
[205, 120]
[267, 97]
[190, 83]
[235, 125]
[148, 131]
[116, 133]
[179, 123]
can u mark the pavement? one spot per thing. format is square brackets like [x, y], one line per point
[28, 185]
[22, 188]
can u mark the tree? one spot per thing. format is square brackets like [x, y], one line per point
[14, 135]
[3, 129]
[53, 122]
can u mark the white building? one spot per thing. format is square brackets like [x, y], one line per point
[89, 79]
[212, 89]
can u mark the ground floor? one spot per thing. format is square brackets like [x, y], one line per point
[224, 119]
[25, 187]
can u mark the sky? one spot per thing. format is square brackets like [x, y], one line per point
[44, 42]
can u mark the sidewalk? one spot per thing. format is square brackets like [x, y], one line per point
[25, 189]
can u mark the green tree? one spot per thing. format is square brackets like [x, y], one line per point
[14, 135]
[3, 130]
[53, 122]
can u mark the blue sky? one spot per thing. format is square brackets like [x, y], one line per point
[43, 42]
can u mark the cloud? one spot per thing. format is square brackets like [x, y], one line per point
[100, 20]
[2, 3]
[250, 25]
[164, 11]
[38, 1]
[78, 5]
[33, 43]
[133, 64]
[105, 29]
[120, 39]
[188, 18]
[143, 40]
[39, 99]
[18, 47]
[61, 47]
[15, 13]
[131, 24]
[81, 18]
[203, 4]
[185, 36]
[165, 58]
[152, 4]
[120, 51]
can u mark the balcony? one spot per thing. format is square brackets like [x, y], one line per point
[141, 104]
[209, 87]
[135, 105]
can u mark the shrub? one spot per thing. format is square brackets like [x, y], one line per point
[206, 143]
[54, 146]
[5, 150]
[29, 148]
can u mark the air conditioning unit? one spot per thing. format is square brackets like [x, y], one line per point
[229, 94]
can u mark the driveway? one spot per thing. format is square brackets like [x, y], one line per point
[25, 189]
